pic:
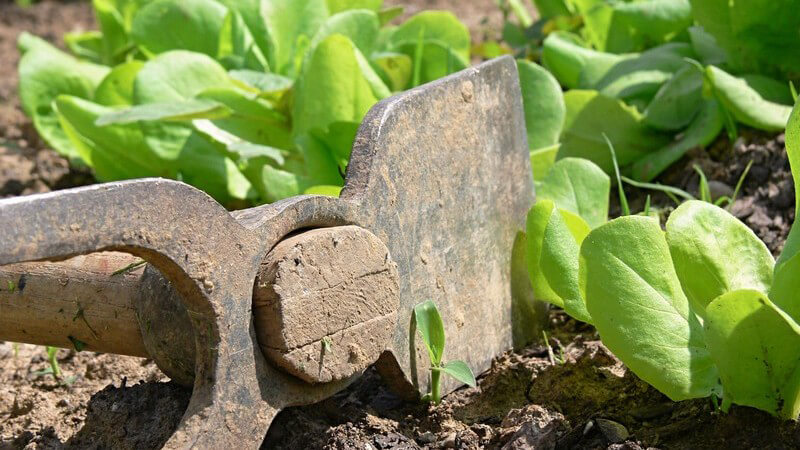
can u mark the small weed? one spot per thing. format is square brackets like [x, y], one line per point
[327, 345]
[430, 325]
[129, 268]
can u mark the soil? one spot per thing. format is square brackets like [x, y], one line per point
[571, 393]
[27, 165]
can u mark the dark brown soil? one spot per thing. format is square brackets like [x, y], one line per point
[766, 199]
[573, 394]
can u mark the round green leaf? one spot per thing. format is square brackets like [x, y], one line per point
[714, 253]
[635, 299]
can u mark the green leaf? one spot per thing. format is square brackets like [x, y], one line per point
[45, 73]
[394, 69]
[580, 187]
[332, 87]
[287, 21]
[655, 21]
[115, 152]
[706, 47]
[551, 8]
[756, 348]
[204, 167]
[785, 290]
[677, 101]
[570, 62]
[250, 13]
[174, 76]
[116, 89]
[87, 45]
[337, 6]
[192, 25]
[589, 115]
[114, 18]
[758, 36]
[253, 119]
[326, 190]
[770, 89]
[360, 26]
[635, 299]
[445, 43]
[183, 110]
[701, 132]
[543, 103]
[620, 27]
[745, 103]
[560, 258]
[640, 77]
[267, 83]
[237, 47]
[542, 159]
[430, 326]
[539, 217]
[178, 75]
[460, 371]
[715, 253]
[338, 138]
[388, 14]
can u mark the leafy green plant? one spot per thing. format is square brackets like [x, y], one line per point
[702, 309]
[431, 328]
[655, 83]
[251, 101]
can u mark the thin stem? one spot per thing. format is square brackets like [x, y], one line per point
[436, 381]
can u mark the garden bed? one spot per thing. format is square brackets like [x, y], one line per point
[572, 394]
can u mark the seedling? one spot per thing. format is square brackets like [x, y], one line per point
[55, 369]
[431, 328]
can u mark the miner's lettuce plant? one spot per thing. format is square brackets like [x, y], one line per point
[660, 77]
[702, 308]
[250, 100]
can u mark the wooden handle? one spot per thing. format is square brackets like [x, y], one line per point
[324, 305]
[83, 302]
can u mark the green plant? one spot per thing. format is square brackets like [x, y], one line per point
[54, 369]
[702, 309]
[642, 73]
[431, 328]
[251, 101]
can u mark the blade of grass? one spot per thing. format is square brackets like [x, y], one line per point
[623, 200]
[671, 191]
[739, 183]
[705, 191]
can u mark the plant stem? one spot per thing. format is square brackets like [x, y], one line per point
[436, 376]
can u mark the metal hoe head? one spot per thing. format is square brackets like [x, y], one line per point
[439, 174]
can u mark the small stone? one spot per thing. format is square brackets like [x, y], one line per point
[449, 441]
[719, 189]
[530, 436]
[613, 431]
[426, 437]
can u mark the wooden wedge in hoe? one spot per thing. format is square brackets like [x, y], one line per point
[286, 304]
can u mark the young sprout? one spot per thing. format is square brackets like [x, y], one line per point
[430, 326]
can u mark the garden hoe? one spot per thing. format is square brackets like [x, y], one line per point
[286, 304]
